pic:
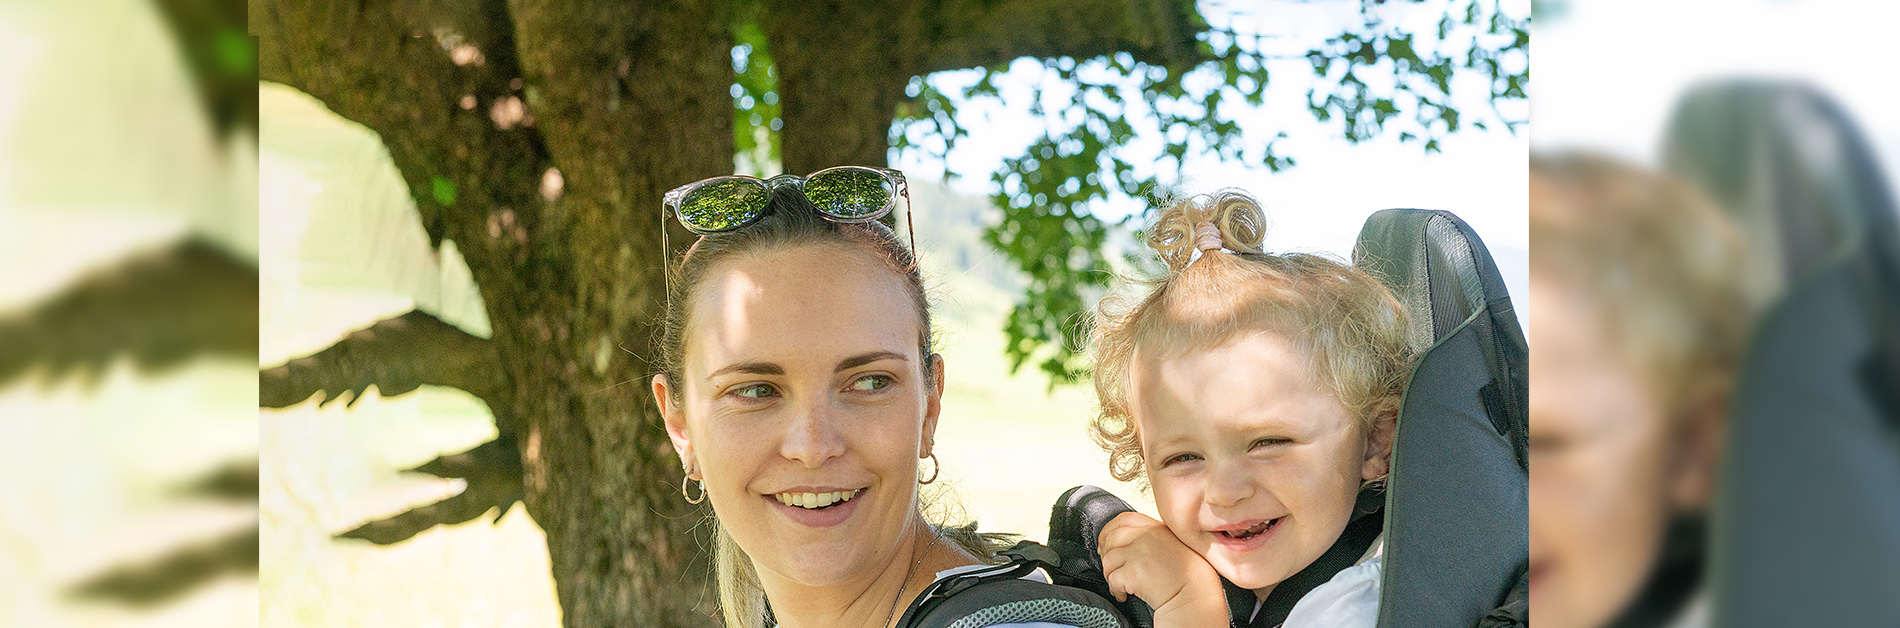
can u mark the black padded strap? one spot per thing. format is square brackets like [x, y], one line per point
[1345, 552]
[949, 586]
[1075, 528]
[999, 595]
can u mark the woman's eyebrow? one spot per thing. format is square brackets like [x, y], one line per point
[867, 358]
[751, 368]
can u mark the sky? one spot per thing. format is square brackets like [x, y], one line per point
[1611, 70]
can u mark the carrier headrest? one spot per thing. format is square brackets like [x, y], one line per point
[1434, 263]
[1440, 271]
[1789, 165]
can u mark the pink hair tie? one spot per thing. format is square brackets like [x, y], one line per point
[1207, 237]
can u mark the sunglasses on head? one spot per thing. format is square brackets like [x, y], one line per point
[847, 194]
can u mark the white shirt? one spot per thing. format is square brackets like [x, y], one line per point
[1349, 600]
[1695, 614]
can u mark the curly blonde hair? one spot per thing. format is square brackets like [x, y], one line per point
[1350, 328]
[1662, 265]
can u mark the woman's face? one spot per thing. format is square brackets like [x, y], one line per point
[805, 405]
[1254, 464]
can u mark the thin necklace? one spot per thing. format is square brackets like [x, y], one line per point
[907, 575]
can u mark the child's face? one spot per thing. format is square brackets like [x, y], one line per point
[1609, 464]
[1254, 464]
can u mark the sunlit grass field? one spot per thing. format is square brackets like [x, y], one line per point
[342, 250]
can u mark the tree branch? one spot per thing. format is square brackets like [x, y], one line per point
[397, 356]
[493, 472]
[235, 482]
[160, 309]
[976, 33]
[407, 69]
[176, 573]
[842, 69]
[206, 32]
[498, 458]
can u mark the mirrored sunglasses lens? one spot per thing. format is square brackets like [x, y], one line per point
[723, 205]
[849, 192]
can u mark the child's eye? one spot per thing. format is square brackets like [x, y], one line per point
[872, 382]
[1180, 458]
[1265, 442]
[755, 391]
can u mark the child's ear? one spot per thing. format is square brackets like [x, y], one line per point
[1378, 460]
[675, 421]
[1698, 437]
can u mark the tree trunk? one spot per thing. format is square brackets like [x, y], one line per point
[631, 111]
[841, 72]
[626, 101]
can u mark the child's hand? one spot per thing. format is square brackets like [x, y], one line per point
[1141, 557]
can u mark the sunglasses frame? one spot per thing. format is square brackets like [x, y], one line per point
[670, 203]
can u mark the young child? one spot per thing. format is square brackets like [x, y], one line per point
[1256, 395]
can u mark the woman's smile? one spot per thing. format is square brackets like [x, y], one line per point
[817, 509]
[815, 501]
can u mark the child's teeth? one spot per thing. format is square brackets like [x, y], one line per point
[1250, 532]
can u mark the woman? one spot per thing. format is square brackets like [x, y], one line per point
[800, 391]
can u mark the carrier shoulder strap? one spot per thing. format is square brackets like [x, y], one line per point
[1367, 524]
[998, 595]
[1075, 525]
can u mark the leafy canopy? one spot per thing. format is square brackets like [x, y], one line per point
[1373, 78]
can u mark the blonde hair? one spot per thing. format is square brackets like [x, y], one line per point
[1350, 328]
[1662, 264]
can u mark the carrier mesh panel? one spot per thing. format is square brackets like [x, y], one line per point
[1026, 611]
[1460, 263]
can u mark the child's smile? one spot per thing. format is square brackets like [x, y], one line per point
[1246, 535]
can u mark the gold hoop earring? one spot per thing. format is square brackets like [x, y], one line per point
[689, 497]
[935, 467]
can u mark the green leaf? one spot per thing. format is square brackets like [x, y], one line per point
[443, 190]
[236, 51]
